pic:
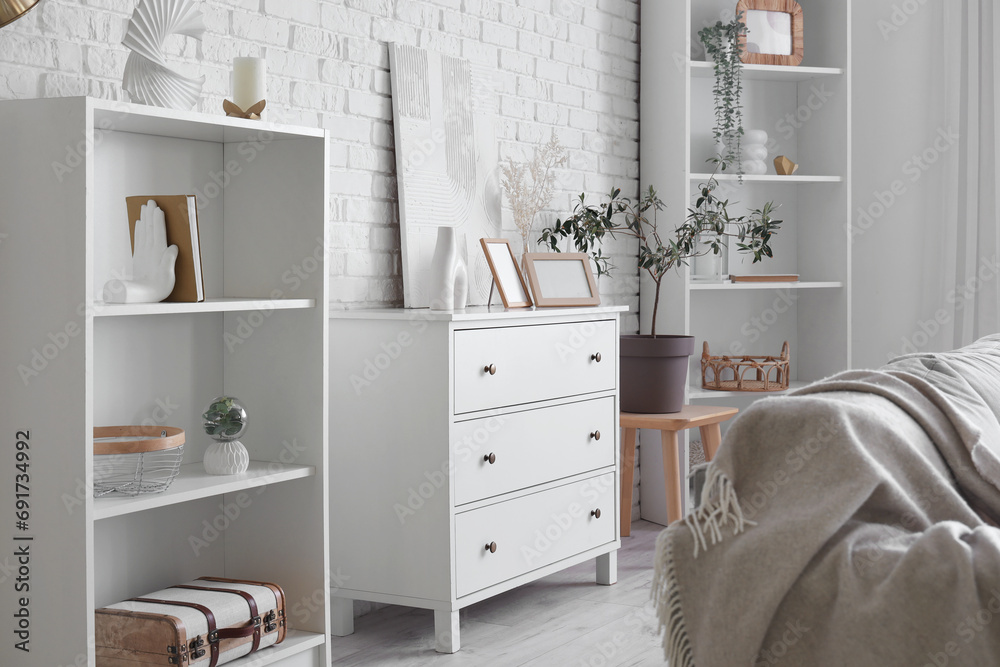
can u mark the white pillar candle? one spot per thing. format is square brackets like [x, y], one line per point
[249, 86]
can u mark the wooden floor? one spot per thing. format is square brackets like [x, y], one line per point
[564, 619]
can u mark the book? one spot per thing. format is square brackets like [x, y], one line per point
[766, 278]
[181, 215]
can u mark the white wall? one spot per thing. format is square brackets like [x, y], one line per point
[569, 66]
[898, 113]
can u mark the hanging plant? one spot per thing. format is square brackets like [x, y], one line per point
[722, 42]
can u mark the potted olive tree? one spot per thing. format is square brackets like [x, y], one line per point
[654, 367]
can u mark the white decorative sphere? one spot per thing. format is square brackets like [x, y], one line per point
[229, 457]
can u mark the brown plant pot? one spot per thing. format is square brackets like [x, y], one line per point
[654, 373]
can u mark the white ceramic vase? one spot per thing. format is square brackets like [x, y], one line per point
[754, 150]
[228, 457]
[449, 279]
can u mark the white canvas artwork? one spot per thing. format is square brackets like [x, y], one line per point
[444, 112]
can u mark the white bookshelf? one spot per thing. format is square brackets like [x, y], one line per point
[261, 335]
[806, 111]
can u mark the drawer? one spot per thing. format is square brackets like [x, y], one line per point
[532, 531]
[532, 447]
[533, 363]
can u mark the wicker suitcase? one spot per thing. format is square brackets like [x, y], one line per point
[204, 623]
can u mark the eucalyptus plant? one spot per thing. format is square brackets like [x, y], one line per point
[707, 228]
[723, 44]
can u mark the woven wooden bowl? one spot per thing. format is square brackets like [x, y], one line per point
[746, 373]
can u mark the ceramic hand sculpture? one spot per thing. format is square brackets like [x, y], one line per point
[152, 262]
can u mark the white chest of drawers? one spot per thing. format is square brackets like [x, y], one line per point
[470, 453]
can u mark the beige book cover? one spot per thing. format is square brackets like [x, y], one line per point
[181, 214]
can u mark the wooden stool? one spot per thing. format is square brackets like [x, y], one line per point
[704, 417]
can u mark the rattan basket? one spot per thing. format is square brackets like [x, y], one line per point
[747, 373]
[130, 460]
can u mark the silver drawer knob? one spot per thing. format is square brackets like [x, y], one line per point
[596, 357]
[491, 369]
[596, 435]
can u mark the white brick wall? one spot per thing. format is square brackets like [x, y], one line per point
[569, 66]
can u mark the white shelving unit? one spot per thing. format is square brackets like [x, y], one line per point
[806, 111]
[72, 362]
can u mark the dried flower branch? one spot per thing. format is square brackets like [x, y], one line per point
[530, 187]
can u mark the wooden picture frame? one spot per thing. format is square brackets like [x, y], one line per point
[791, 7]
[561, 279]
[503, 265]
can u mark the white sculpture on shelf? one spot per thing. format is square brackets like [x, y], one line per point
[755, 152]
[147, 78]
[226, 422]
[152, 262]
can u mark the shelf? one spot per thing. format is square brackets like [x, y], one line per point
[696, 393]
[111, 115]
[222, 305]
[706, 70]
[705, 286]
[295, 642]
[193, 483]
[768, 178]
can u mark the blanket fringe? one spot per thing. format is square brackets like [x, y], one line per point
[666, 597]
[719, 507]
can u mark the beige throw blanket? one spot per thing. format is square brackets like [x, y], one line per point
[844, 525]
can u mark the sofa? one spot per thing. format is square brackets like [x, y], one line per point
[852, 522]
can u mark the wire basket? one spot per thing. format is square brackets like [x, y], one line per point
[747, 373]
[130, 460]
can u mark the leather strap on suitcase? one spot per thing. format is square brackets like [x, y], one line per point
[254, 615]
[215, 635]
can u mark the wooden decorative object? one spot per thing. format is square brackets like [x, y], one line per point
[253, 113]
[506, 274]
[784, 166]
[746, 373]
[561, 279]
[130, 460]
[107, 439]
[786, 7]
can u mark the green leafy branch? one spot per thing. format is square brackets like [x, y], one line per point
[707, 229]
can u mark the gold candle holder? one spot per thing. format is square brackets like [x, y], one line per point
[253, 113]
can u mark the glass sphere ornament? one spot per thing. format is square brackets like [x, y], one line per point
[226, 422]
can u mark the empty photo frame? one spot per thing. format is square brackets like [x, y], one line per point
[561, 279]
[506, 275]
[774, 32]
